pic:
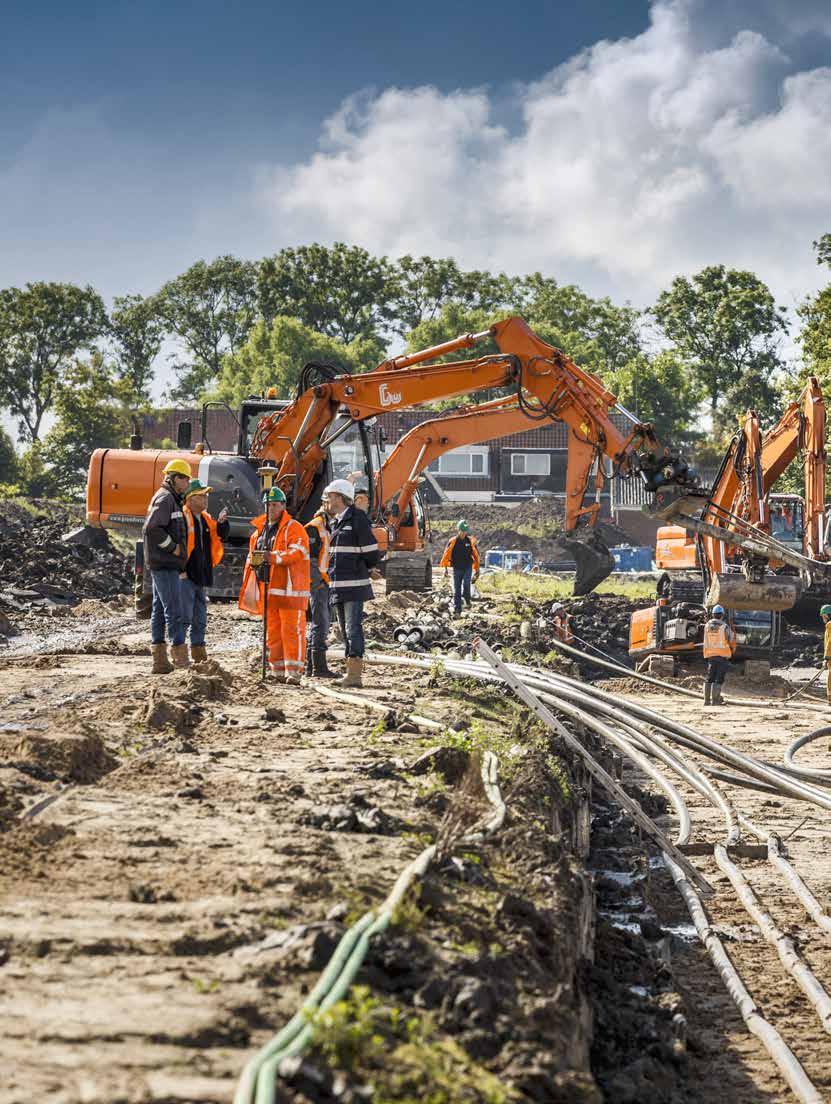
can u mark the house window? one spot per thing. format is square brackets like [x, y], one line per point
[460, 462]
[530, 463]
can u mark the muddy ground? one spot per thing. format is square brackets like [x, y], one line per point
[210, 841]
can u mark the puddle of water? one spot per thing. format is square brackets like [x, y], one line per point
[620, 877]
[683, 931]
[639, 990]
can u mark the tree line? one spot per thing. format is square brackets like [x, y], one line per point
[710, 347]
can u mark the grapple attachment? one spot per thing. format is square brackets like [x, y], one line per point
[774, 592]
[593, 559]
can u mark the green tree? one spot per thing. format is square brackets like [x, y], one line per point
[42, 327]
[341, 291]
[823, 250]
[8, 459]
[274, 356]
[660, 390]
[596, 333]
[137, 330]
[424, 285]
[815, 335]
[92, 412]
[724, 323]
[211, 309]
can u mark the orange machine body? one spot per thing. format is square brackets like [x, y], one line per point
[121, 482]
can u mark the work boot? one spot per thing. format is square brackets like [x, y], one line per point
[319, 667]
[161, 662]
[179, 654]
[708, 692]
[292, 680]
[354, 670]
[716, 694]
[198, 653]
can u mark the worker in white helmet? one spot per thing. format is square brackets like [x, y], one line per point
[353, 559]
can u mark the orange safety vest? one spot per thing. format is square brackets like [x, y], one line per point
[719, 640]
[448, 552]
[217, 551]
[319, 523]
[288, 583]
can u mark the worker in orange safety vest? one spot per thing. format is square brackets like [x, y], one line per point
[286, 546]
[204, 552]
[320, 540]
[719, 646]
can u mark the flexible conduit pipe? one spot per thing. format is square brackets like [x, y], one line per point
[783, 1056]
[258, 1081]
[800, 890]
[681, 733]
[627, 672]
[793, 964]
[800, 742]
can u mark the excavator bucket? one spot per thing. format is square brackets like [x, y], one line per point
[775, 592]
[593, 559]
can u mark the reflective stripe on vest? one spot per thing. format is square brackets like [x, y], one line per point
[325, 545]
[217, 550]
[717, 640]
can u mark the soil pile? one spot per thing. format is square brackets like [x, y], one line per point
[533, 526]
[39, 568]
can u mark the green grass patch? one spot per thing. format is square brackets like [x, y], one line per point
[553, 587]
[400, 1054]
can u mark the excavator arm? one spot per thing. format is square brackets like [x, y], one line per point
[398, 478]
[546, 383]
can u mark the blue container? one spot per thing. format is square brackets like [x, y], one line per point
[628, 558]
[509, 559]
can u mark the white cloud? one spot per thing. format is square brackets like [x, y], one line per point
[631, 162]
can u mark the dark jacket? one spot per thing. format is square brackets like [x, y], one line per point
[164, 528]
[200, 567]
[354, 551]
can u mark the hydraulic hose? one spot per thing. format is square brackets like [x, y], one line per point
[258, 1082]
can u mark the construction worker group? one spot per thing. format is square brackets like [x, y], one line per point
[291, 570]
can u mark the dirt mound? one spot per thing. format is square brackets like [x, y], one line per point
[531, 526]
[38, 568]
[73, 757]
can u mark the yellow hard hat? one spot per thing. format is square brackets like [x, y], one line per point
[177, 467]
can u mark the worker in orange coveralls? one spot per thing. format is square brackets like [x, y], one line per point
[286, 546]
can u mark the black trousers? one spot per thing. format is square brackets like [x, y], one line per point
[717, 667]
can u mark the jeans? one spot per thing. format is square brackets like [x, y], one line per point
[461, 587]
[350, 619]
[717, 667]
[319, 619]
[167, 608]
[194, 611]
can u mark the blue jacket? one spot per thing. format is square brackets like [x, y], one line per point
[353, 551]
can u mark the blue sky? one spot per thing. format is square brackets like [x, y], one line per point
[610, 143]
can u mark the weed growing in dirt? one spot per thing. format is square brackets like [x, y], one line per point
[409, 916]
[400, 1055]
[551, 587]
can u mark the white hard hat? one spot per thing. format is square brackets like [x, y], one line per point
[342, 487]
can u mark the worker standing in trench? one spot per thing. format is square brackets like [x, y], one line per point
[204, 552]
[165, 544]
[286, 548]
[719, 646]
[462, 555]
[825, 614]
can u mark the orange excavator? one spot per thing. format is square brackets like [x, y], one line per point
[700, 568]
[397, 498]
[326, 431]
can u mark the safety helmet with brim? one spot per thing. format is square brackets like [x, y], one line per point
[463, 526]
[825, 611]
[342, 487]
[718, 611]
[177, 467]
[197, 487]
[274, 494]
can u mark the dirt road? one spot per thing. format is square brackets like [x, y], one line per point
[209, 844]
